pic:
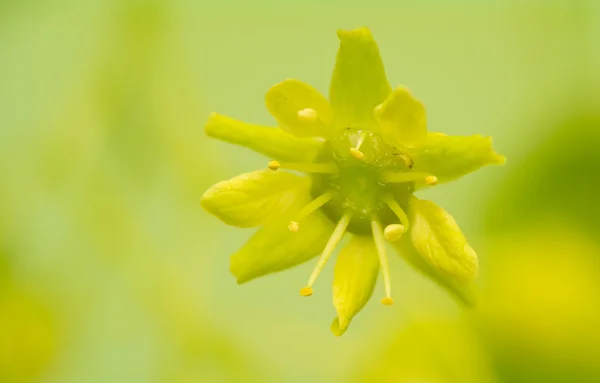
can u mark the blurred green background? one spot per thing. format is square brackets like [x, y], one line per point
[111, 272]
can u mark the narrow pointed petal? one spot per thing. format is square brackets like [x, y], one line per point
[462, 291]
[436, 236]
[300, 109]
[274, 247]
[354, 279]
[272, 142]
[451, 157]
[359, 82]
[402, 119]
[251, 199]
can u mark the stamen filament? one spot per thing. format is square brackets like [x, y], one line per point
[361, 139]
[306, 167]
[383, 261]
[335, 238]
[397, 177]
[355, 151]
[309, 209]
[394, 207]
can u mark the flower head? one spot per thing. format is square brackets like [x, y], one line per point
[349, 164]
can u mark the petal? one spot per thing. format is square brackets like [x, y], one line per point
[436, 236]
[300, 109]
[251, 199]
[274, 248]
[359, 82]
[451, 157]
[402, 119]
[461, 290]
[272, 142]
[354, 279]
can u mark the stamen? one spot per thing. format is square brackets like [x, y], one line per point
[398, 177]
[274, 165]
[308, 167]
[335, 238]
[307, 115]
[431, 180]
[383, 262]
[393, 205]
[393, 232]
[313, 205]
[355, 151]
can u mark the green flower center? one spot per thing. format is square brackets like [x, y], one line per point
[358, 187]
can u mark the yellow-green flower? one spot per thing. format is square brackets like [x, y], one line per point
[365, 151]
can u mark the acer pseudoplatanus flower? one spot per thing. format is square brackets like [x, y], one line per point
[350, 164]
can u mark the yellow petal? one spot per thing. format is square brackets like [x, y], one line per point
[300, 109]
[402, 119]
[272, 142]
[251, 199]
[451, 157]
[463, 291]
[274, 247]
[439, 240]
[359, 82]
[354, 279]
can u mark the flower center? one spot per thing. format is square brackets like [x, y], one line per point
[357, 188]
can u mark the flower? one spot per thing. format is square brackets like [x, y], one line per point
[365, 151]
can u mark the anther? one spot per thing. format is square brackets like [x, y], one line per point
[394, 232]
[307, 115]
[274, 165]
[387, 301]
[306, 291]
[431, 180]
[356, 153]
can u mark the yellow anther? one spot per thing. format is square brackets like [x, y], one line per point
[393, 232]
[356, 153]
[408, 161]
[274, 165]
[307, 115]
[431, 180]
[306, 291]
[388, 301]
[294, 226]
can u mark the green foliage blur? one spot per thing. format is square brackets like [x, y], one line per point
[111, 272]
